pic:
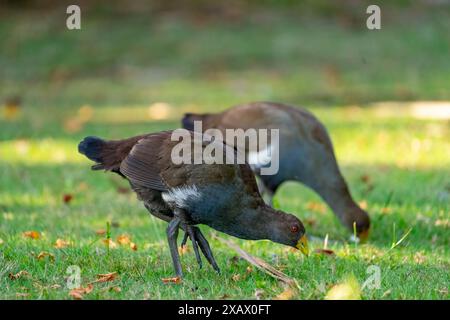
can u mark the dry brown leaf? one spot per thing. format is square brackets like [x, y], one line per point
[61, 243]
[100, 232]
[78, 293]
[32, 234]
[363, 204]
[67, 198]
[182, 250]
[105, 277]
[288, 294]
[115, 289]
[18, 275]
[133, 246]
[109, 243]
[123, 239]
[176, 280]
[365, 178]
[44, 254]
[326, 252]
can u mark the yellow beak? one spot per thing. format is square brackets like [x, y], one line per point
[302, 245]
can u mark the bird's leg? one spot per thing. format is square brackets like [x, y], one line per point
[204, 246]
[172, 235]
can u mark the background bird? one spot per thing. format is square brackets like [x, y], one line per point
[305, 154]
[224, 197]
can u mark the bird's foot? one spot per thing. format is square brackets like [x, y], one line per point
[199, 240]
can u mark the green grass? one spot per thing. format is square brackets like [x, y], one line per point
[102, 80]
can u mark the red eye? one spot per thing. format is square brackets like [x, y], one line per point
[294, 229]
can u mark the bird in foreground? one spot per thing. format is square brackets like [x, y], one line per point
[305, 154]
[222, 196]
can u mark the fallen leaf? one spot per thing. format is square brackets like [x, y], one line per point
[44, 254]
[123, 190]
[115, 289]
[347, 290]
[109, 243]
[326, 252]
[182, 250]
[32, 234]
[133, 246]
[236, 277]
[288, 294]
[363, 204]
[123, 239]
[100, 232]
[365, 178]
[18, 275]
[249, 269]
[176, 280]
[67, 198]
[60, 243]
[225, 296]
[11, 110]
[105, 277]
[78, 293]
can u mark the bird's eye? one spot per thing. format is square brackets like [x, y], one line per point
[294, 229]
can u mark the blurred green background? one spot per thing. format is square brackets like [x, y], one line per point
[137, 66]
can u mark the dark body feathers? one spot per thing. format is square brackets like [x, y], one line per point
[222, 196]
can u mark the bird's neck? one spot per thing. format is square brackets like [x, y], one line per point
[257, 224]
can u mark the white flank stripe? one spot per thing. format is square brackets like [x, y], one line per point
[180, 195]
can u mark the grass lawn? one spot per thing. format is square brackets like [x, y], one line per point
[117, 80]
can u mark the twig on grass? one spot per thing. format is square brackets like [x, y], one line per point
[259, 263]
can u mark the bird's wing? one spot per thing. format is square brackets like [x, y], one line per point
[142, 166]
[249, 180]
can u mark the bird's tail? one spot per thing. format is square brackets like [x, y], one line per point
[107, 154]
[189, 118]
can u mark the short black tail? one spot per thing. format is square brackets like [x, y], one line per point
[92, 148]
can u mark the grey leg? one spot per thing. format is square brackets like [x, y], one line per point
[172, 235]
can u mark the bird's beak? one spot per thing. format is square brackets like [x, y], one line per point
[302, 245]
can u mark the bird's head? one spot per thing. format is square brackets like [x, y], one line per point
[358, 219]
[287, 229]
